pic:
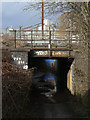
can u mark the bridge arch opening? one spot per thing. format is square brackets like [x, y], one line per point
[60, 67]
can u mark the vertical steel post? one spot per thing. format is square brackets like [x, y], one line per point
[20, 31]
[50, 38]
[31, 39]
[42, 17]
[69, 42]
[15, 38]
[50, 43]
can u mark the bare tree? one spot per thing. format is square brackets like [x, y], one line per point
[80, 10]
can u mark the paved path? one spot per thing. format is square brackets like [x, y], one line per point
[56, 107]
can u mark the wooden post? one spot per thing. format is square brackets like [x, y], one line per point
[15, 38]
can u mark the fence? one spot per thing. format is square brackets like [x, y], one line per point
[47, 39]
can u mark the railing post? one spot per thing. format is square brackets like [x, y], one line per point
[50, 46]
[15, 38]
[20, 31]
[69, 42]
[31, 38]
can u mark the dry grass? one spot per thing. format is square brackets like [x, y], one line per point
[16, 85]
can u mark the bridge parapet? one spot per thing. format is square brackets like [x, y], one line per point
[49, 39]
[46, 52]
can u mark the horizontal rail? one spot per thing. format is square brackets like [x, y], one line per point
[44, 31]
[33, 37]
[52, 49]
[48, 39]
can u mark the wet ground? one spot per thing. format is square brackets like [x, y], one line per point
[61, 105]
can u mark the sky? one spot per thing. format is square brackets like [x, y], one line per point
[13, 15]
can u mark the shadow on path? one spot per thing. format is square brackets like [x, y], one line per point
[62, 105]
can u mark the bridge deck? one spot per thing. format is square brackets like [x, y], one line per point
[40, 49]
[48, 44]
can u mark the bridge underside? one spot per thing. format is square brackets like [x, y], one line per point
[66, 66]
[26, 58]
[62, 68]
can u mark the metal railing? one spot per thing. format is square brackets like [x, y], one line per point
[50, 39]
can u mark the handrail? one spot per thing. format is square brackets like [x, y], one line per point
[51, 37]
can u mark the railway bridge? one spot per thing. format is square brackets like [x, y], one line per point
[33, 45]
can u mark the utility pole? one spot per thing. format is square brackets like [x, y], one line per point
[42, 17]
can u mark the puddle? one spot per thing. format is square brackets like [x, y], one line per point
[46, 81]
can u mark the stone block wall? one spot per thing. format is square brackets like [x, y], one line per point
[81, 71]
[77, 77]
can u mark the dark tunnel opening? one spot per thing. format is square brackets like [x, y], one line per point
[62, 66]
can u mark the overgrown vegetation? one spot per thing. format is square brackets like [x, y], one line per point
[16, 85]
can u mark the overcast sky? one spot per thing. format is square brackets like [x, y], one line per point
[13, 15]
